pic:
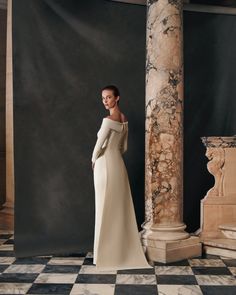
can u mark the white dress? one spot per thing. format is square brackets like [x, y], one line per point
[117, 243]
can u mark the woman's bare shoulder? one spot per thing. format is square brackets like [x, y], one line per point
[121, 118]
[124, 118]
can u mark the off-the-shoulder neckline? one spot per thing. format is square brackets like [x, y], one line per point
[116, 121]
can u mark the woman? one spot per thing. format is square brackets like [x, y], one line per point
[116, 239]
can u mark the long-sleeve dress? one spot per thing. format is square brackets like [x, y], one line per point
[117, 243]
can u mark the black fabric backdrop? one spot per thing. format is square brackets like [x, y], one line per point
[209, 103]
[64, 52]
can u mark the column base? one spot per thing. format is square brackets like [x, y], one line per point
[8, 208]
[166, 233]
[171, 251]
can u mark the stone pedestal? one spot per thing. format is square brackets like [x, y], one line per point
[218, 208]
[216, 212]
[166, 251]
[163, 230]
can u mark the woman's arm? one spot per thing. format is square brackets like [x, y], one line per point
[103, 134]
[124, 142]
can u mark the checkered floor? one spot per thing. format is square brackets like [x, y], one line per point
[75, 274]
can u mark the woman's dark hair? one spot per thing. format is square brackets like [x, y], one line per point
[115, 90]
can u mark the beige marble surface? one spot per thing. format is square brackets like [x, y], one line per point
[170, 251]
[179, 289]
[56, 278]
[206, 262]
[219, 205]
[223, 247]
[164, 136]
[223, 252]
[66, 261]
[14, 288]
[221, 243]
[140, 279]
[8, 206]
[164, 98]
[216, 280]
[228, 230]
[99, 289]
[216, 211]
[173, 270]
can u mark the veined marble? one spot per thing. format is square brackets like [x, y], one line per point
[66, 261]
[179, 289]
[25, 268]
[219, 141]
[14, 288]
[233, 270]
[56, 278]
[8, 206]
[6, 247]
[207, 262]
[173, 270]
[136, 279]
[90, 289]
[216, 280]
[164, 133]
[90, 269]
[7, 260]
[164, 104]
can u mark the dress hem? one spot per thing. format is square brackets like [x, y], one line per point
[101, 268]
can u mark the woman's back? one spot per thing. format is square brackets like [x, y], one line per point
[115, 220]
[118, 117]
[118, 134]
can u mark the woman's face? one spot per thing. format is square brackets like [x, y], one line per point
[108, 99]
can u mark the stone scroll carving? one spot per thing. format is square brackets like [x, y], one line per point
[218, 154]
[218, 207]
[216, 167]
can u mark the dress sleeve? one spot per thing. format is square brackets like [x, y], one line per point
[124, 143]
[103, 134]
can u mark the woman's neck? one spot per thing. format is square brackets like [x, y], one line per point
[114, 110]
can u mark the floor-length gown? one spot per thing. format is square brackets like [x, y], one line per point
[117, 243]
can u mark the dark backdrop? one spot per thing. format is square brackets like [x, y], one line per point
[64, 52]
[210, 99]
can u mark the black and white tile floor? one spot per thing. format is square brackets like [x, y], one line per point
[75, 274]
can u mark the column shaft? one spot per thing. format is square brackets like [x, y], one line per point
[164, 133]
[164, 114]
[9, 205]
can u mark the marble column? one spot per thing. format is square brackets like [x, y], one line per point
[8, 207]
[164, 231]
